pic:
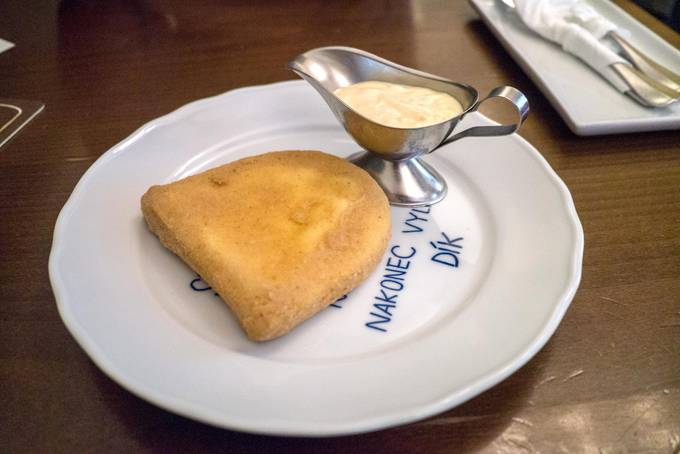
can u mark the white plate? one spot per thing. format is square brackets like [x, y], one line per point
[452, 332]
[587, 103]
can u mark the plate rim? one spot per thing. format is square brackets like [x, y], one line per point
[294, 428]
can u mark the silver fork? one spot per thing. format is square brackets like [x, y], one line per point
[651, 84]
[646, 64]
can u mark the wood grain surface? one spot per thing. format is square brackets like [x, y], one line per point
[104, 68]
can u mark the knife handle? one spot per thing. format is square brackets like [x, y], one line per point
[643, 89]
[648, 66]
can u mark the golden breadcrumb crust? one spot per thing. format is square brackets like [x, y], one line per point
[278, 236]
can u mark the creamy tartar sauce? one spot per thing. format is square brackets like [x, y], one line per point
[399, 106]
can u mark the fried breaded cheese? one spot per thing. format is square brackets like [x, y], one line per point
[278, 236]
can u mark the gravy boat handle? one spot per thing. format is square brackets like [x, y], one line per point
[511, 94]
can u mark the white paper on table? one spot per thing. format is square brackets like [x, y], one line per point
[5, 45]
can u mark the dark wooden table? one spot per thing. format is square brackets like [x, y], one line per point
[104, 68]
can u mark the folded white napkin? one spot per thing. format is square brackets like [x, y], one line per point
[585, 16]
[577, 28]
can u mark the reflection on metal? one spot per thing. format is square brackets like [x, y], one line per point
[392, 155]
[23, 112]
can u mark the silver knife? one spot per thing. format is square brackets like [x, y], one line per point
[646, 64]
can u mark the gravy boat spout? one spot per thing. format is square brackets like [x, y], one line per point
[391, 155]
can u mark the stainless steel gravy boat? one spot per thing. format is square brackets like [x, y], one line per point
[392, 154]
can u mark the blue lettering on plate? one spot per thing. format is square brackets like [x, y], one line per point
[380, 319]
[199, 285]
[416, 215]
[336, 304]
[447, 250]
[392, 283]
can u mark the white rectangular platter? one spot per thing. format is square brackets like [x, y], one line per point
[586, 102]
